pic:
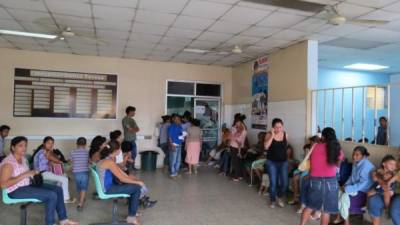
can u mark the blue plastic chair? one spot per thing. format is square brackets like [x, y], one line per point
[105, 196]
[25, 202]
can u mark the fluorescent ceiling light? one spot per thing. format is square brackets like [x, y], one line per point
[195, 50]
[364, 66]
[27, 34]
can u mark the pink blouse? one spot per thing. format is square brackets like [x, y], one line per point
[18, 168]
[319, 163]
[237, 138]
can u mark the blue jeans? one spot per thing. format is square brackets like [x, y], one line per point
[52, 197]
[131, 189]
[304, 184]
[395, 209]
[224, 162]
[175, 160]
[278, 178]
[81, 181]
[164, 148]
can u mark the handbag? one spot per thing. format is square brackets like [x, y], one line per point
[305, 165]
[57, 169]
[37, 180]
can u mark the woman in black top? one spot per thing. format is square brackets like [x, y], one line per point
[277, 165]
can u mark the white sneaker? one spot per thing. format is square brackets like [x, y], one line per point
[70, 201]
[281, 203]
[272, 205]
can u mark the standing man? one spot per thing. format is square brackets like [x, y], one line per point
[175, 139]
[4, 130]
[130, 129]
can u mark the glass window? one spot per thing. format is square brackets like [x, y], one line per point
[208, 90]
[180, 88]
[179, 104]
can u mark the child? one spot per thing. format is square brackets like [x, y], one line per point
[264, 185]
[215, 154]
[384, 178]
[80, 169]
[299, 184]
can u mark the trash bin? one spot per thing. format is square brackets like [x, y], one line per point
[148, 160]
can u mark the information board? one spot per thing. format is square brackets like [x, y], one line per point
[44, 93]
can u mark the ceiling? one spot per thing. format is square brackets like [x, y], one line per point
[160, 29]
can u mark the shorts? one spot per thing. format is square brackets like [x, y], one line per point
[323, 194]
[81, 181]
[375, 205]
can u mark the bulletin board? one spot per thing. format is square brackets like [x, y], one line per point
[47, 93]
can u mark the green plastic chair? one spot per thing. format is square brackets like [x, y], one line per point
[105, 196]
[25, 202]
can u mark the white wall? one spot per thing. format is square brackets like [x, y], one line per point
[140, 83]
[395, 110]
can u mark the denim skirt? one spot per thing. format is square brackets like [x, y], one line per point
[323, 194]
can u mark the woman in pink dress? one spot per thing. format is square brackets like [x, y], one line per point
[193, 145]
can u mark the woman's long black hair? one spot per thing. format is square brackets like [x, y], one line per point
[95, 145]
[332, 145]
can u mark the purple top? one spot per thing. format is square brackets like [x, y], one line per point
[40, 162]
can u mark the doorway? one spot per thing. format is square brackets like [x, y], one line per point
[203, 100]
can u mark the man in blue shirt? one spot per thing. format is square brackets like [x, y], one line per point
[4, 130]
[175, 134]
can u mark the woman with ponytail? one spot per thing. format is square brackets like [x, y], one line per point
[323, 190]
[108, 169]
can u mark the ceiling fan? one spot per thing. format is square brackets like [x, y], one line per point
[336, 18]
[235, 49]
[64, 32]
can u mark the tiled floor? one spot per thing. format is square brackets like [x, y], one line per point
[202, 199]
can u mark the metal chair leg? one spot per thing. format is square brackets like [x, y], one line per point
[251, 177]
[114, 211]
[23, 214]
[114, 216]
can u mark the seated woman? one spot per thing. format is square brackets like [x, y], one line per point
[380, 195]
[359, 182]
[126, 148]
[107, 169]
[96, 145]
[256, 155]
[15, 177]
[42, 162]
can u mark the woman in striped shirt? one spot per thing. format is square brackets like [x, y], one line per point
[15, 178]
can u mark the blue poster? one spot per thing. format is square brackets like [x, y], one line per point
[259, 108]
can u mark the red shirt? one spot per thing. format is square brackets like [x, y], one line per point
[319, 162]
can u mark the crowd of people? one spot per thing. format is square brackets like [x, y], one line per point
[324, 184]
[44, 177]
[327, 184]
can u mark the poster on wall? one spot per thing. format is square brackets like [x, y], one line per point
[45, 93]
[259, 106]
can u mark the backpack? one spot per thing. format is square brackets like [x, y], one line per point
[345, 171]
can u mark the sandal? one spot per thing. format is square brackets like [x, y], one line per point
[68, 222]
[133, 220]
